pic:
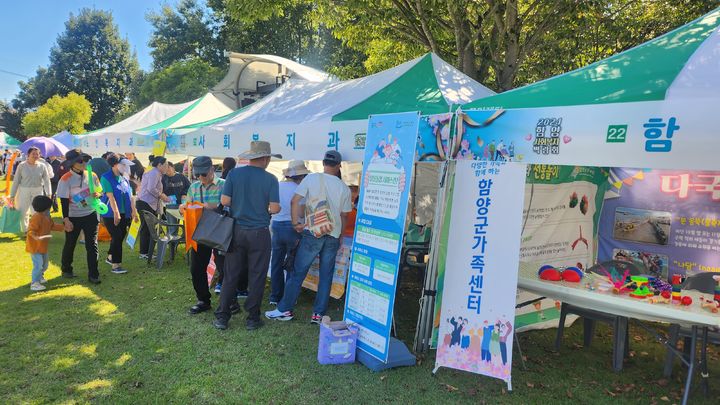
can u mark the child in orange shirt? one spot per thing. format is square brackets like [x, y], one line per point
[38, 236]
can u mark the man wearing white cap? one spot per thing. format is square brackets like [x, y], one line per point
[252, 195]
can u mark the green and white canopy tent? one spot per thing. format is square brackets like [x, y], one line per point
[117, 137]
[302, 119]
[621, 111]
[7, 141]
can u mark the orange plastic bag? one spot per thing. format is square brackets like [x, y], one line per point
[191, 215]
[103, 234]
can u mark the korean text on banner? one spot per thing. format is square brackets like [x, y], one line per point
[476, 322]
[387, 170]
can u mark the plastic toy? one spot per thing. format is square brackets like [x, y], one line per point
[659, 299]
[717, 289]
[665, 294]
[641, 291]
[676, 289]
[569, 274]
[94, 202]
[686, 300]
[710, 305]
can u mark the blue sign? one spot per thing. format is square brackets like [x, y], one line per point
[387, 172]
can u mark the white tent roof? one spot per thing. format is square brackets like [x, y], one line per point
[149, 115]
[203, 109]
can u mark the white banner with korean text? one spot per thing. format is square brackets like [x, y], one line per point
[476, 321]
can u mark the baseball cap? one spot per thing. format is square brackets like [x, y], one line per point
[201, 165]
[333, 156]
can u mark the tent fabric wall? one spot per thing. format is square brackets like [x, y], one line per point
[682, 63]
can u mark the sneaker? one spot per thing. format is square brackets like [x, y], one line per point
[143, 256]
[218, 288]
[273, 303]
[199, 307]
[108, 261]
[118, 270]
[316, 318]
[220, 324]
[241, 295]
[278, 315]
[81, 241]
[42, 280]
[37, 287]
[235, 308]
[94, 280]
[252, 324]
[69, 275]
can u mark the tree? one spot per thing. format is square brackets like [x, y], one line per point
[69, 113]
[179, 82]
[91, 59]
[11, 120]
[186, 32]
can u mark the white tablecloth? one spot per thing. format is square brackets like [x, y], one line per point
[577, 294]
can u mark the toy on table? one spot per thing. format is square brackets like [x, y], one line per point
[717, 289]
[710, 304]
[571, 274]
[686, 300]
[676, 289]
[663, 298]
[641, 287]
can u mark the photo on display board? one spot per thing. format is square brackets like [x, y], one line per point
[652, 264]
[644, 226]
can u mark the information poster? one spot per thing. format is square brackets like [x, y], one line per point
[476, 320]
[662, 221]
[342, 263]
[387, 170]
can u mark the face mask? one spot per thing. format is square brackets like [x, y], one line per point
[124, 170]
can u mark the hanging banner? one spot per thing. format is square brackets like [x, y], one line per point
[387, 170]
[434, 137]
[342, 263]
[665, 222]
[656, 134]
[476, 320]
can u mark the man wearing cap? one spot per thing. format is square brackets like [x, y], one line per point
[252, 195]
[206, 191]
[77, 213]
[320, 191]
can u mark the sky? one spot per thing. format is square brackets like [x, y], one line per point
[29, 28]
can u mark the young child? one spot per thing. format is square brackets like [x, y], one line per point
[38, 236]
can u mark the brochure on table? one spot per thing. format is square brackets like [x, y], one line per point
[387, 172]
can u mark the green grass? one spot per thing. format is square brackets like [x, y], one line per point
[130, 340]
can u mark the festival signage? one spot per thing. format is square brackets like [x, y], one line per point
[655, 134]
[665, 222]
[434, 137]
[476, 320]
[387, 170]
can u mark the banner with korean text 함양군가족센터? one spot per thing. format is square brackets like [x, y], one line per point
[476, 320]
[387, 172]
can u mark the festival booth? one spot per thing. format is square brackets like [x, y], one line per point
[119, 135]
[652, 107]
[65, 138]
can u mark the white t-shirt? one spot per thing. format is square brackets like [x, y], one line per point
[287, 191]
[337, 194]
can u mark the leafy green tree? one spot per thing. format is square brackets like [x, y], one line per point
[90, 58]
[37, 90]
[11, 120]
[70, 113]
[179, 82]
[185, 32]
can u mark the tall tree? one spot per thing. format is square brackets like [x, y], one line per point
[185, 32]
[180, 82]
[59, 113]
[11, 120]
[90, 58]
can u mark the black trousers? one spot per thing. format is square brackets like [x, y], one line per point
[144, 232]
[88, 225]
[53, 186]
[242, 283]
[249, 254]
[199, 261]
[117, 235]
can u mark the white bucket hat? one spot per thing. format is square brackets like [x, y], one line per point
[295, 168]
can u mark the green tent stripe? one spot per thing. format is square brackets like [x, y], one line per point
[168, 122]
[643, 73]
[416, 90]
[214, 120]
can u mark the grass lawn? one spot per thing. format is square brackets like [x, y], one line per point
[130, 340]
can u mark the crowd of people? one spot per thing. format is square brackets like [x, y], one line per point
[275, 222]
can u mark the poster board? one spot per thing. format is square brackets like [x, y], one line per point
[377, 243]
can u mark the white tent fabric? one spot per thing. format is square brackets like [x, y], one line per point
[298, 117]
[699, 77]
[99, 141]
